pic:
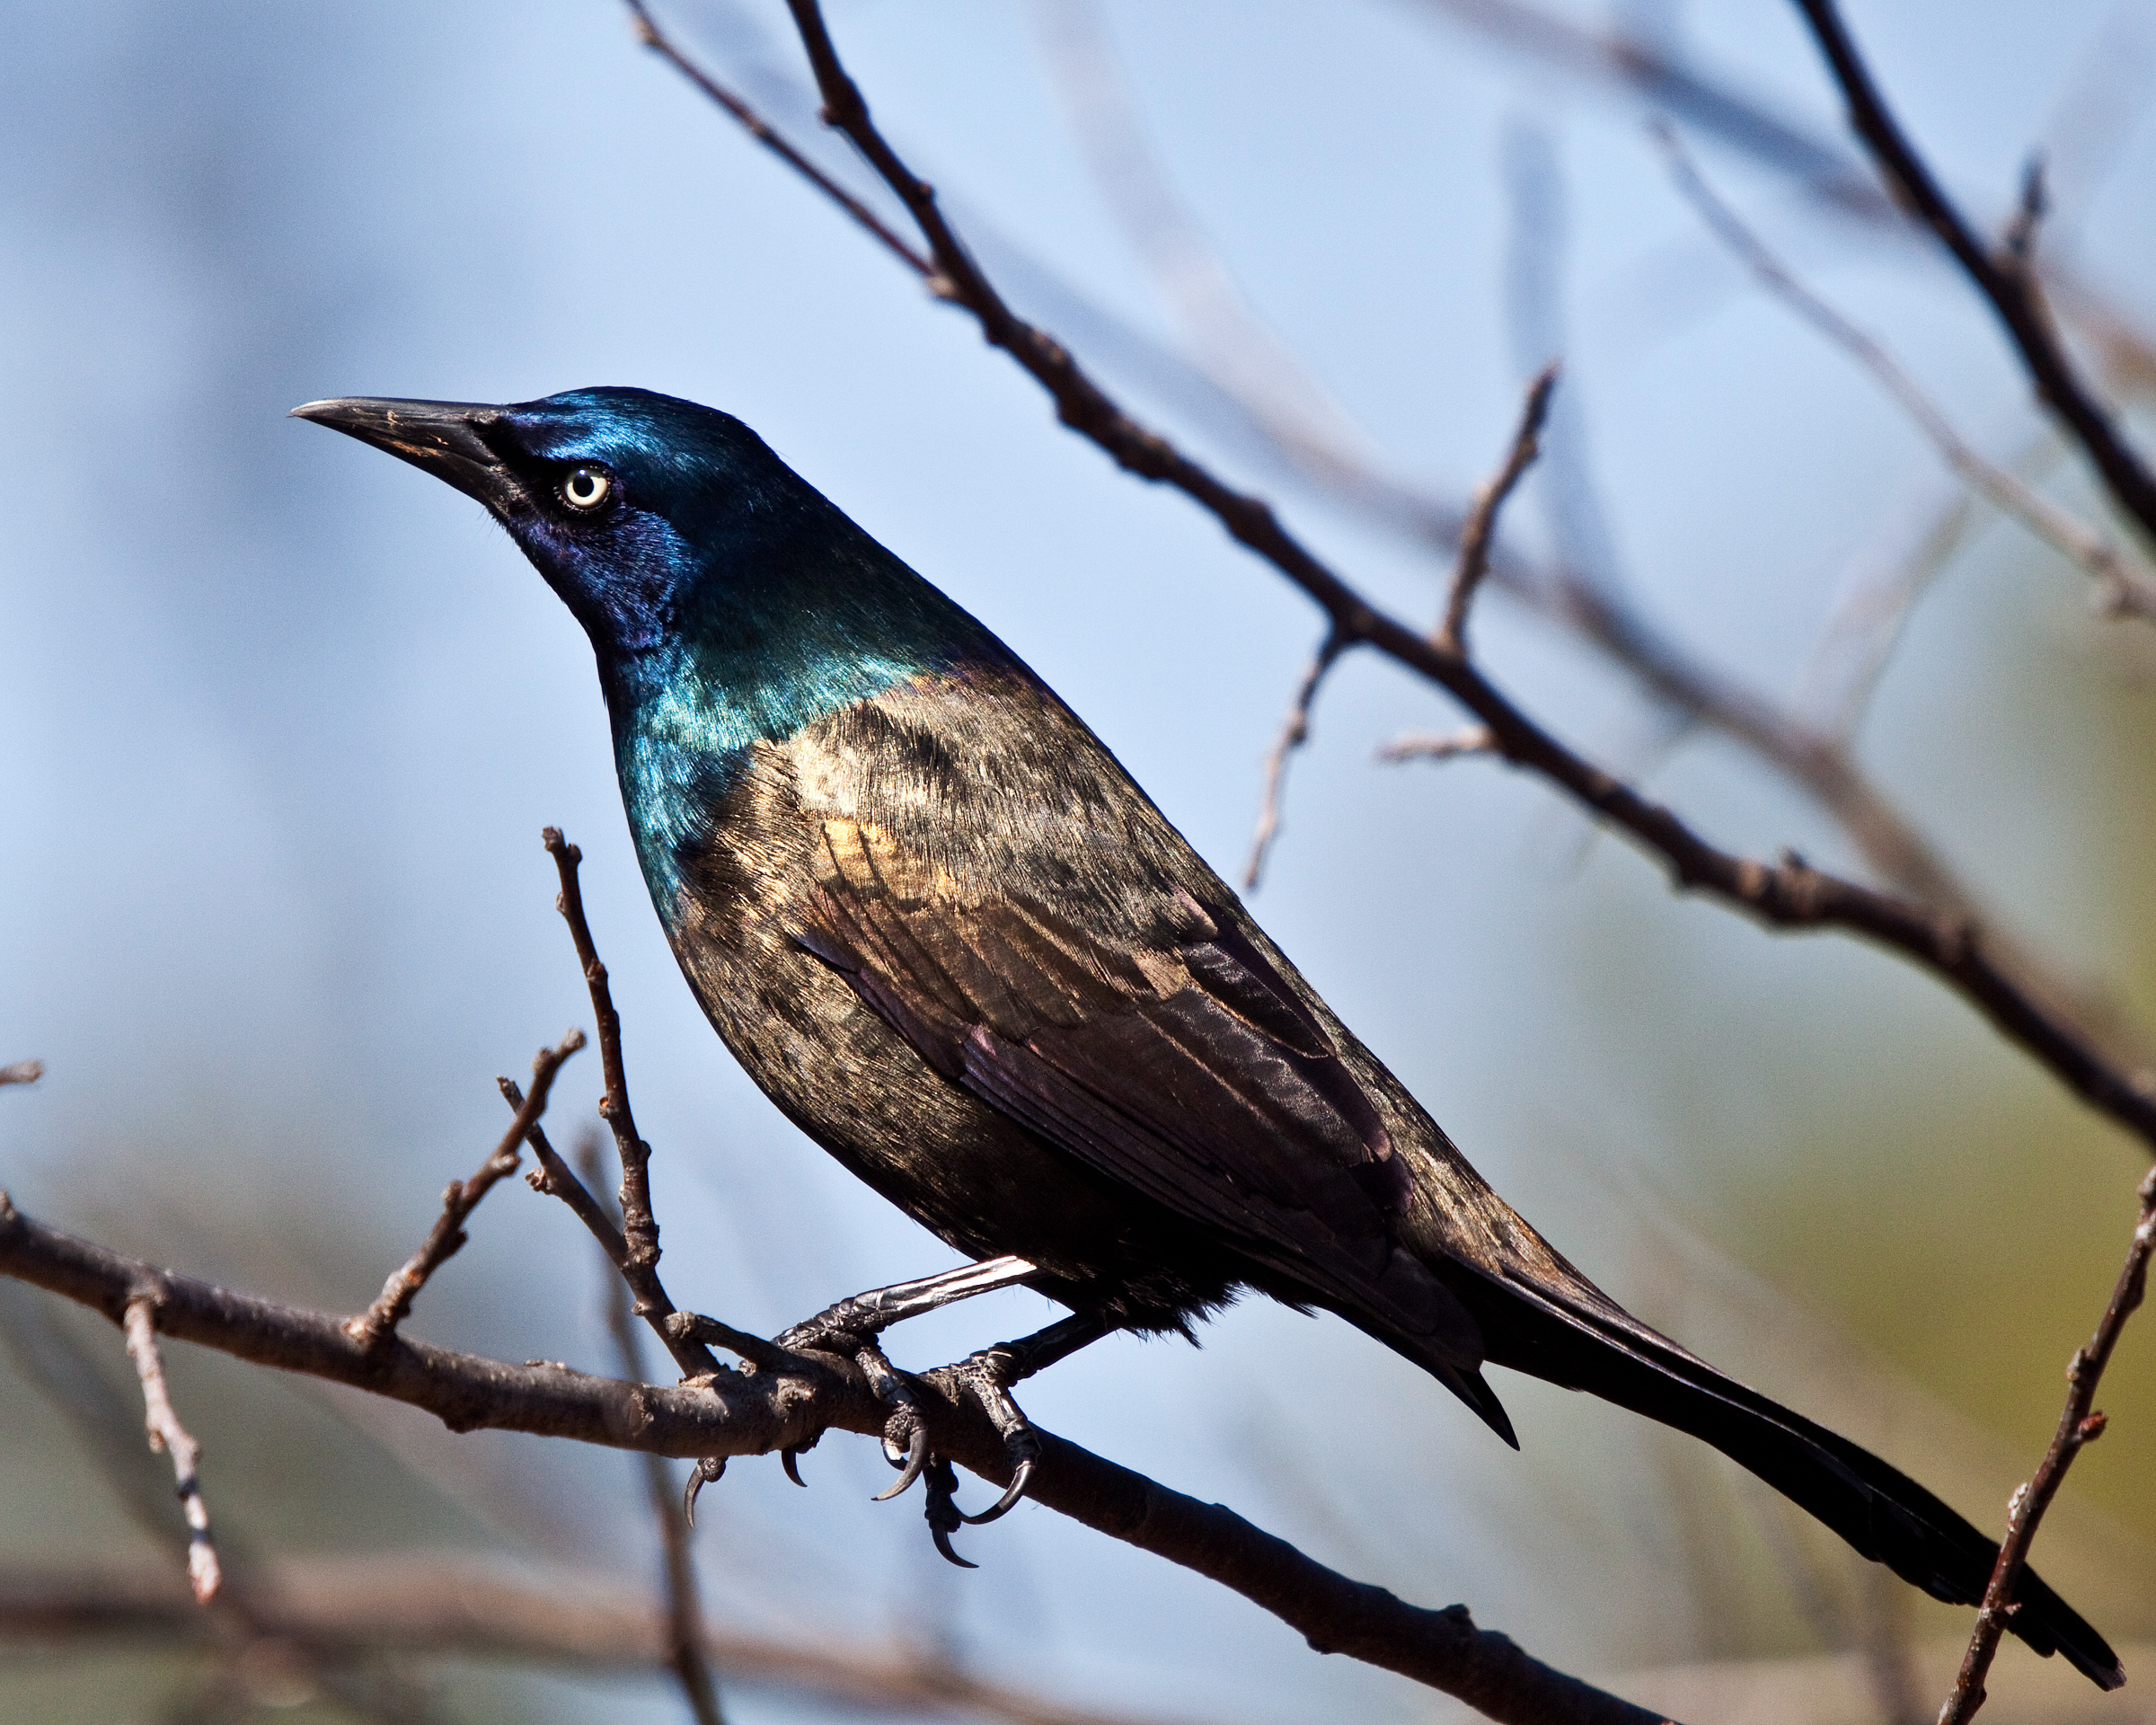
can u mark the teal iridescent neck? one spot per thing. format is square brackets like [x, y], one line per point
[688, 711]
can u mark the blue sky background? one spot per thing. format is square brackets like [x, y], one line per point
[280, 721]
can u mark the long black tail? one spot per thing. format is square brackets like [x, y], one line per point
[1577, 1337]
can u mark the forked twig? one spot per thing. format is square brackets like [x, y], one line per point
[374, 1326]
[138, 1324]
[2080, 1425]
[2003, 280]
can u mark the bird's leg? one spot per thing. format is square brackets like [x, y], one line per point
[869, 1313]
[850, 1328]
[988, 1376]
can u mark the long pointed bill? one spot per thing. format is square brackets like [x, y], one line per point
[446, 438]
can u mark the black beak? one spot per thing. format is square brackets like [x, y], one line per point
[446, 438]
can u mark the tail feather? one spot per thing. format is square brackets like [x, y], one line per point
[1576, 1337]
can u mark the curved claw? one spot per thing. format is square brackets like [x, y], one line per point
[941, 1510]
[916, 1458]
[1021, 1479]
[790, 1459]
[700, 1476]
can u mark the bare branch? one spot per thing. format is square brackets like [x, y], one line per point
[22, 1072]
[1295, 731]
[2123, 589]
[1428, 746]
[685, 1614]
[1475, 537]
[2010, 289]
[1791, 896]
[649, 32]
[447, 1237]
[2080, 1425]
[138, 1323]
[731, 1413]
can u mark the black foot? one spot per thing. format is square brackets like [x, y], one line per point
[905, 1432]
[987, 1376]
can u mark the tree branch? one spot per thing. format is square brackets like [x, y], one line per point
[2080, 1425]
[2004, 281]
[734, 1414]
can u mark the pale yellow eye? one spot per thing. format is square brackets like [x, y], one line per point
[585, 488]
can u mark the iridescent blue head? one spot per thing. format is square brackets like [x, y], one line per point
[728, 600]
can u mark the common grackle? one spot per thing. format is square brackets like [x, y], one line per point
[947, 935]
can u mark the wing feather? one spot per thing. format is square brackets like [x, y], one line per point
[1183, 1066]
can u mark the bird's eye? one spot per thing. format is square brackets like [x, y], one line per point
[585, 488]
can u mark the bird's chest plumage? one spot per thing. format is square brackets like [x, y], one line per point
[925, 761]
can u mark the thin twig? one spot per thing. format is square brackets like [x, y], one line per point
[2080, 1425]
[639, 1227]
[1430, 746]
[1295, 731]
[1475, 537]
[138, 1323]
[2010, 289]
[2122, 590]
[635, 1246]
[739, 1414]
[22, 1072]
[1792, 895]
[553, 1179]
[649, 32]
[375, 1325]
[685, 1614]
[2017, 246]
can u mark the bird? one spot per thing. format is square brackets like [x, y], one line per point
[950, 938]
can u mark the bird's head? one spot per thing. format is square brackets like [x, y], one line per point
[628, 502]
